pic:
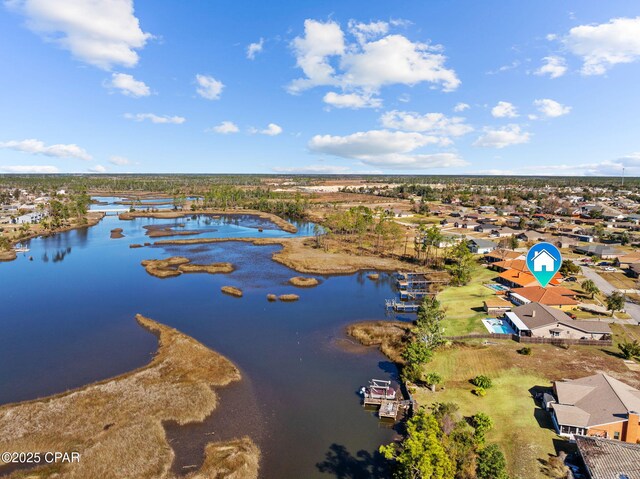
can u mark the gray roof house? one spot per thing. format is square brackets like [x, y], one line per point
[481, 246]
[542, 321]
[603, 250]
[607, 459]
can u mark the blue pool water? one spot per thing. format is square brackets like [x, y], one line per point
[495, 327]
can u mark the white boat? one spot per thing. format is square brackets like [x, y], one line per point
[21, 249]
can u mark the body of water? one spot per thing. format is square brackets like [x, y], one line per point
[68, 320]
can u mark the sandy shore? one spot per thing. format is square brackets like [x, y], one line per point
[117, 425]
[300, 255]
[281, 223]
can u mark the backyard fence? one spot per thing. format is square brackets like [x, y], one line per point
[526, 339]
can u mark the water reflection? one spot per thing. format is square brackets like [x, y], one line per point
[341, 464]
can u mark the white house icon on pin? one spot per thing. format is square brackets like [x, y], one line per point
[544, 261]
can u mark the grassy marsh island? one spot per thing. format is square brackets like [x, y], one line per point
[232, 291]
[116, 233]
[287, 298]
[117, 424]
[303, 282]
[176, 265]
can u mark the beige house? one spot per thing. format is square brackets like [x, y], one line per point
[541, 321]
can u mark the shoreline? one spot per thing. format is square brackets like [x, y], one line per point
[93, 218]
[183, 375]
[277, 220]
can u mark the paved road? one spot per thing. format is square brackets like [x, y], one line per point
[607, 288]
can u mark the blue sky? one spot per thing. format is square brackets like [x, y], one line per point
[459, 87]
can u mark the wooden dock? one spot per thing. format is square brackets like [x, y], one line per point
[401, 306]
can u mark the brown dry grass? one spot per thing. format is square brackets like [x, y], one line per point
[176, 265]
[116, 424]
[302, 282]
[9, 255]
[389, 336]
[300, 255]
[116, 233]
[232, 291]
[135, 245]
[272, 297]
[373, 276]
[288, 297]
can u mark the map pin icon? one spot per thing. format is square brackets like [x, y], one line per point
[544, 261]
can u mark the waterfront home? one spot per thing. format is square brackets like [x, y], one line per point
[556, 296]
[597, 405]
[521, 278]
[607, 458]
[541, 321]
[481, 246]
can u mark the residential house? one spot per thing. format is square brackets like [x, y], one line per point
[502, 255]
[628, 259]
[481, 246]
[557, 296]
[540, 321]
[608, 459]
[601, 250]
[521, 278]
[634, 270]
[449, 239]
[597, 405]
[503, 232]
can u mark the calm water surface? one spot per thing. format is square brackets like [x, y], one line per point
[68, 319]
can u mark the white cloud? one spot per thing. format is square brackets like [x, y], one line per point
[28, 169]
[554, 66]
[271, 130]
[367, 31]
[225, 128]
[434, 123]
[504, 109]
[351, 100]
[209, 87]
[128, 85]
[502, 137]
[254, 48]
[153, 118]
[103, 33]
[604, 45]
[551, 108]
[97, 169]
[461, 107]
[375, 59]
[313, 169]
[383, 148]
[38, 147]
[119, 161]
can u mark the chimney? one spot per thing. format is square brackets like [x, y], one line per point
[633, 428]
[533, 313]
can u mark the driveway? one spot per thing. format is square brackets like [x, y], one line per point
[607, 288]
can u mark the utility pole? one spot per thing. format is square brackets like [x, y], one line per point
[623, 176]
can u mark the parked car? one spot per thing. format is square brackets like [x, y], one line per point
[609, 269]
[571, 315]
[571, 279]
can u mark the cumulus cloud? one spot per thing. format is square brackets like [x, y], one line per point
[128, 85]
[502, 137]
[153, 118]
[254, 48]
[461, 107]
[103, 33]
[433, 123]
[384, 148]
[553, 65]
[551, 108]
[97, 169]
[375, 59]
[209, 87]
[38, 147]
[225, 128]
[351, 100]
[601, 46]
[272, 129]
[504, 109]
[313, 169]
[119, 161]
[29, 169]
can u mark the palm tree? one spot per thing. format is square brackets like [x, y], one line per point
[590, 287]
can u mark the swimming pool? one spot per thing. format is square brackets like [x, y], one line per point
[497, 326]
[497, 287]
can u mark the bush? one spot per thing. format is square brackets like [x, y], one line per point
[491, 463]
[480, 392]
[526, 351]
[482, 381]
[629, 349]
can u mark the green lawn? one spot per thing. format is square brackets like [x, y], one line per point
[463, 304]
